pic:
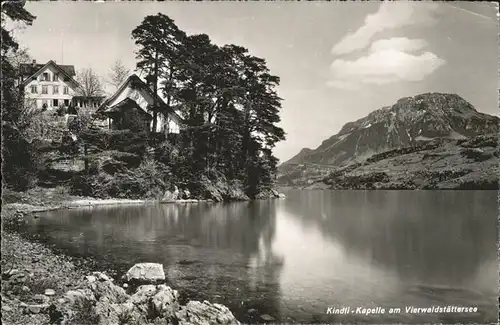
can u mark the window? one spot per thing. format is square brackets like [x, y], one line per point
[56, 89]
[55, 102]
[66, 90]
[45, 76]
[56, 77]
[34, 90]
[45, 90]
[66, 102]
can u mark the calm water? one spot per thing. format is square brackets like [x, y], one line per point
[294, 258]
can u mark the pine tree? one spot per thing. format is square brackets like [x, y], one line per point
[158, 39]
[227, 97]
[17, 155]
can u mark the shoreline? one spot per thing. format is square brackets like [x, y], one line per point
[47, 199]
[43, 267]
[319, 188]
[30, 267]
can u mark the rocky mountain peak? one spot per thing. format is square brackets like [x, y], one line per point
[409, 121]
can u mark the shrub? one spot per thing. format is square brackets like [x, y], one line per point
[149, 180]
[489, 140]
[85, 313]
[167, 153]
[476, 154]
[45, 125]
[19, 161]
[130, 159]
[9, 196]
[119, 140]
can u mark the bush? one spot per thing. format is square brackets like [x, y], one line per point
[121, 140]
[476, 154]
[19, 161]
[45, 125]
[489, 140]
[68, 144]
[130, 159]
[149, 180]
[167, 153]
[9, 196]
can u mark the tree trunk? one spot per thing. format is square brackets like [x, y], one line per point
[167, 126]
[155, 91]
[169, 100]
[86, 160]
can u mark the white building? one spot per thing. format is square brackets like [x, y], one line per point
[134, 94]
[52, 85]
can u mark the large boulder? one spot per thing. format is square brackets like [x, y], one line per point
[269, 194]
[204, 313]
[145, 273]
[159, 301]
[102, 302]
[171, 196]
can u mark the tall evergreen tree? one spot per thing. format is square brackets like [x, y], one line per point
[227, 97]
[158, 39]
[12, 100]
[17, 156]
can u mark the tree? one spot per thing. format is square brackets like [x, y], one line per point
[12, 96]
[158, 39]
[18, 57]
[13, 11]
[18, 159]
[119, 73]
[227, 97]
[89, 83]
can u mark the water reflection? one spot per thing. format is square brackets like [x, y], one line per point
[293, 258]
[219, 252]
[391, 248]
[422, 235]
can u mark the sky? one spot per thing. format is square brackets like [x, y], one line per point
[338, 61]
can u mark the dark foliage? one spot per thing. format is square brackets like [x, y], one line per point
[476, 154]
[230, 109]
[120, 140]
[228, 100]
[19, 161]
[149, 180]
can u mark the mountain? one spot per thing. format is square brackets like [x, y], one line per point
[438, 164]
[410, 122]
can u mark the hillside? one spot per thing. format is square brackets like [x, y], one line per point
[432, 124]
[438, 164]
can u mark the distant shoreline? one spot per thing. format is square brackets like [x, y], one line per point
[384, 189]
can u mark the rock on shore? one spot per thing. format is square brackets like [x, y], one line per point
[146, 273]
[42, 287]
[102, 302]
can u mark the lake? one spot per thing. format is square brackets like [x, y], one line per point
[294, 258]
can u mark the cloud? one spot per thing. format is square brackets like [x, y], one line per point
[342, 84]
[398, 43]
[389, 60]
[391, 15]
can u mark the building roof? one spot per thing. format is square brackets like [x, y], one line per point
[125, 104]
[137, 83]
[28, 69]
[31, 71]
